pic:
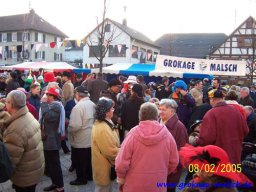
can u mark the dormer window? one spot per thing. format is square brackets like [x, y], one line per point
[40, 37]
[4, 37]
[107, 28]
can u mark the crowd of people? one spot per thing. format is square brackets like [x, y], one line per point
[126, 130]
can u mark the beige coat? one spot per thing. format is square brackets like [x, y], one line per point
[3, 117]
[80, 123]
[68, 91]
[22, 139]
[197, 95]
[105, 146]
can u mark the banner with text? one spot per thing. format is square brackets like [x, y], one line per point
[201, 66]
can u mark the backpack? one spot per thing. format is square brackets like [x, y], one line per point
[6, 166]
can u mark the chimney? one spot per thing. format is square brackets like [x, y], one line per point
[125, 20]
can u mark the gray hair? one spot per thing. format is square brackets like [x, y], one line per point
[169, 103]
[246, 89]
[17, 98]
[148, 111]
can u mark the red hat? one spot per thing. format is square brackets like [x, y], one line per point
[49, 77]
[53, 91]
[212, 159]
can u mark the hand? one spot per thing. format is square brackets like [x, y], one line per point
[183, 92]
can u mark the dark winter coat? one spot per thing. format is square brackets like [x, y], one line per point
[95, 87]
[246, 101]
[251, 122]
[35, 100]
[130, 114]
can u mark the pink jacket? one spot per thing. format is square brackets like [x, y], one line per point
[148, 154]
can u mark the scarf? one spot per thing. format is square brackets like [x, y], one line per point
[61, 128]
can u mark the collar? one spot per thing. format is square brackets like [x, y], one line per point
[22, 111]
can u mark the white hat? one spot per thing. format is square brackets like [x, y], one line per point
[131, 79]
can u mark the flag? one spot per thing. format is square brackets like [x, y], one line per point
[65, 43]
[139, 54]
[59, 44]
[133, 50]
[119, 47]
[78, 43]
[149, 55]
[52, 44]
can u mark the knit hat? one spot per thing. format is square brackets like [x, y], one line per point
[211, 159]
[114, 82]
[180, 84]
[137, 88]
[82, 89]
[103, 106]
[216, 93]
[53, 91]
[49, 77]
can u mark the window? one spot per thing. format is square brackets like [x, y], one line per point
[95, 51]
[107, 28]
[19, 36]
[142, 55]
[155, 56]
[4, 37]
[26, 36]
[9, 37]
[14, 36]
[57, 56]
[247, 42]
[40, 37]
[40, 55]
[117, 50]
[134, 52]
[149, 55]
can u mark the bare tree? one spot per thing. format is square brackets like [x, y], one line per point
[99, 46]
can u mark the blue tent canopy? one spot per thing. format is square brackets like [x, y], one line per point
[142, 69]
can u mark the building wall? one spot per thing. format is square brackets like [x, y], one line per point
[48, 52]
[121, 38]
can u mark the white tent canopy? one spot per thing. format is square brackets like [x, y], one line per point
[35, 66]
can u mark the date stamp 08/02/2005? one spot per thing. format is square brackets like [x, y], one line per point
[211, 168]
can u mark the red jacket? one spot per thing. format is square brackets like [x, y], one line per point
[32, 110]
[224, 126]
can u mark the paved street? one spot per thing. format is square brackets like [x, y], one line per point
[45, 181]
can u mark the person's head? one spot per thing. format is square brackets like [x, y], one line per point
[15, 100]
[179, 85]
[140, 79]
[52, 94]
[148, 112]
[13, 75]
[215, 96]
[122, 78]
[248, 110]
[115, 86]
[104, 109]
[244, 92]
[167, 108]
[216, 83]
[210, 157]
[199, 84]
[90, 76]
[81, 92]
[196, 126]
[3, 77]
[137, 90]
[35, 89]
[231, 95]
[148, 92]
[205, 81]
[165, 81]
[252, 88]
[155, 101]
[79, 77]
[66, 76]
[49, 77]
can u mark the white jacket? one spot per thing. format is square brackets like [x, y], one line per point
[80, 123]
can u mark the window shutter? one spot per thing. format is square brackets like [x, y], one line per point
[55, 56]
[43, 54]
[28, 36]
[61, 57]
[43, 38]
[19, 35]
[10, 56]
[0, 37]
[36, 37]
[9, 37]
[35, 55]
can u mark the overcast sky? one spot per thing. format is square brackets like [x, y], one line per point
[76, 18]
